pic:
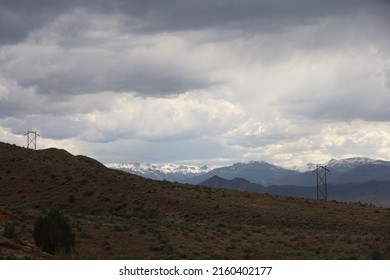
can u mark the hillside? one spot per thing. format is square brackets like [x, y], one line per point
[239, 184]
[371, 192]
[117, 215]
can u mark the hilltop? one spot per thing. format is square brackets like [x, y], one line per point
[117, 215]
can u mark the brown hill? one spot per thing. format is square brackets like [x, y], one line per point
[239, 184]
[120, 215]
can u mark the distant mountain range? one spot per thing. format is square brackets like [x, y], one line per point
[352, 179]
[259, 172]
[358, 169]
[351, 170]
[164, 171]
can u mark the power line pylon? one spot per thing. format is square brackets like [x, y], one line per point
[32, 139]
[322, 184]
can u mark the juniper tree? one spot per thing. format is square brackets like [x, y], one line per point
[53, 233]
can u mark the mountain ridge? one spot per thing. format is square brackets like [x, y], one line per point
[263, 173]
[240, 184]
[163, 171]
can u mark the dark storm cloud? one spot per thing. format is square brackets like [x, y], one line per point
[90, 74]
[18, 18]
[169, 15]
[155, 69]
[84, 64]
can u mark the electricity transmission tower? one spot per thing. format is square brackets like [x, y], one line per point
[32, 139]
[322, 184]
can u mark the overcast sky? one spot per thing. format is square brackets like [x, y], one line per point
[198, 81]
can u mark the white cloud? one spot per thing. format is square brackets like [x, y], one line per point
[187, 116]
[332, 140]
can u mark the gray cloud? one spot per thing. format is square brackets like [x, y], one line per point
[101, 46]
[53, 127]
[208, 74]
[81, 53]
[183, 15]
[90, 71]
[18, 18]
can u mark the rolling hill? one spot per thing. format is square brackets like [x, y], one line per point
[372, 192]
[239, 184]
[117, 215]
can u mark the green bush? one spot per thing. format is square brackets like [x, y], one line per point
[71, 199]
[53, 233]
[10, 231]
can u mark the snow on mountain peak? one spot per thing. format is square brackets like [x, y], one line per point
[307, 167]
[341, 165]
[166, 168]
[352, 162]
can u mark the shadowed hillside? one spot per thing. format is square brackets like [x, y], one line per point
[119, 215]
[234, 184]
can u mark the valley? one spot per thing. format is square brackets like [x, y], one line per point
[353, 179]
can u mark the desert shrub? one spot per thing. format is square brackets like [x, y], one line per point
[53, 233]
[84, 234]
[10, 231]
[88, 193]
[71, 198]
[151, 213]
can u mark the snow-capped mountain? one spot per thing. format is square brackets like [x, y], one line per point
[341, 165]
[259, 172]
[347, 164]
[163, 171]
[305, 168]
[358, 169]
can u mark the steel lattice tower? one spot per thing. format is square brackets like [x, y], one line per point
[32, 139]
[322, 184]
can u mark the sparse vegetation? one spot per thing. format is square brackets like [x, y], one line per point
[116, 215]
